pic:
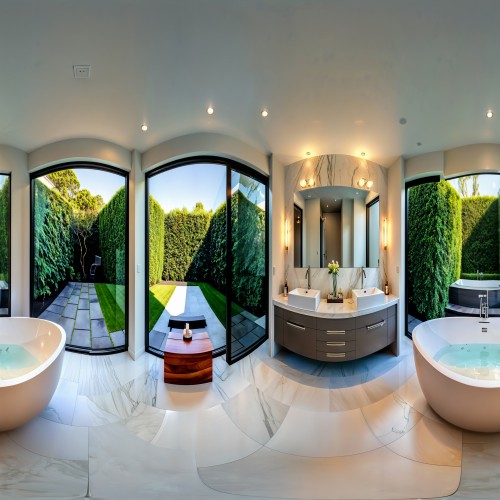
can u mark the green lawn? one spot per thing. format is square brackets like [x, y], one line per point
[159, 295]
[216, 301]
[112, 301]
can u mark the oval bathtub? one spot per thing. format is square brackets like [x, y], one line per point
[465, 401]
[31, 357]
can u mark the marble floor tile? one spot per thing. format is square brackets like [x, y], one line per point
[376, 474]
[323, 434]
[187, 398]
[61, 407]
[145, 422]
[88, 414]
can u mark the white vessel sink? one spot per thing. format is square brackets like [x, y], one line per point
[304, 298]
[367, 297]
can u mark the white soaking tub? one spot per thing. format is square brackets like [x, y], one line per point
[31, 357]
[458, 367]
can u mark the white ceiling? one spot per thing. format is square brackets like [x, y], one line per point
[337, 76]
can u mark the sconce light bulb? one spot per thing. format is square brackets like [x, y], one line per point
[303, 183]
[311, 182]
[361, 182]
[144, 128]
[369, 184]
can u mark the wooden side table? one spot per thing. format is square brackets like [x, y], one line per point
[187, 362]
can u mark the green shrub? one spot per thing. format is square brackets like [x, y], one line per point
[53, 243]
[112, 235]
[480, 234]
[156, 241]
[434, 246]
[485, 276]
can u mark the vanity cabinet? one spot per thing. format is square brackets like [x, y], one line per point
[332, 339]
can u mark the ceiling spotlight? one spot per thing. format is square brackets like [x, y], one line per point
[361, 182]
[369, 184]
[210, 110]
[363, 153]
[489, 113]
[144, 127]
[308, 153]
[264, 113]
[402, 121]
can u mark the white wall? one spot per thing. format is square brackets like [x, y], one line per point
[15, 162]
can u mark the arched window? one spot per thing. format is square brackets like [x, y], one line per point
[79, 251]
[207, 245]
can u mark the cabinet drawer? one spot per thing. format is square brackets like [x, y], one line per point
[336, 346]
[371, 338]
[336, 356]
[371, 319]
[300, 319]
[336, 335]
[299, 339]
[336, 324]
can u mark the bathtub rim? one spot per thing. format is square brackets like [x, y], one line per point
[462, 379]
[478, 285]
[42, 366]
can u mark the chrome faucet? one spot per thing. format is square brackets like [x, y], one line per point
[308, 276]
[483, 306]
[363, 276]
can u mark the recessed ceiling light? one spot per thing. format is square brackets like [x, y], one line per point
[264, 113]
[144, 127]
[402, 121]
[489, 113]
[308, 153]
[419, 143]
[363, 153]
[210, 110]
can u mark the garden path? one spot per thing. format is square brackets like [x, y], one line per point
[246, 328]
[78, 311]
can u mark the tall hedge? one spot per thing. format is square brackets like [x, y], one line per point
[249, 253]
[480, 234]
[184, 235]
[434, 246]
[4, 230]
[53, 245]
[156, 241]
[112, 233]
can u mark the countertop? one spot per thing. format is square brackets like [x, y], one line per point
[344, 310]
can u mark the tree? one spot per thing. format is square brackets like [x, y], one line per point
[86, 207]
[462, 186]
[66, 182]
[475, 185]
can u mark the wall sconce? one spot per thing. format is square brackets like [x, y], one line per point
[307, 183]
[286, 235]
[363, 182]
[384, 233]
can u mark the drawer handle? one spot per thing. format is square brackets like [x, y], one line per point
[335, 354]
[335, 332]
[335, 344]
[295, 326]
[376, 325]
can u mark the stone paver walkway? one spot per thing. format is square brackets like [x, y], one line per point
[189, 300]
[78, 311]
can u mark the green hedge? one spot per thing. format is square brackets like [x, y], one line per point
[434, 246]
[53, 243]
[156, 241]
[485, 276]
[184, 235]
[4, 230]
[480, 234]
[112, 235]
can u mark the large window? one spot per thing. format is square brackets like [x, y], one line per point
[4, 245]
[79, 254]
[452, 247]
[207, 255]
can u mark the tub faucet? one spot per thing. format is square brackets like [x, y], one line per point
[308, 276]
[483, 306]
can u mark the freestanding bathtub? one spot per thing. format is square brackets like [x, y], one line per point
[31, 357]
[465, 292]
[455, 393]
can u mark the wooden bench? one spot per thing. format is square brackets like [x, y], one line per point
[187, 362]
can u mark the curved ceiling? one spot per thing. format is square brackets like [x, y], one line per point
[336, 76]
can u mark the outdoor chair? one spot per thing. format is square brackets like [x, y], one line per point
[94, 266]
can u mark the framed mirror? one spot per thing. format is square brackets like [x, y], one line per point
[336, 223]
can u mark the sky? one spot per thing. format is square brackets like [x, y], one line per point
[185, 186]
[489, 185]
[99, 182]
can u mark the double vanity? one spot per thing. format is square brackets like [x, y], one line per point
[357, 327]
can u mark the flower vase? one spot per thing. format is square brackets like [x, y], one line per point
[334, 283]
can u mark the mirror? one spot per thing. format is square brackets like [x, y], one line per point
[336, 223]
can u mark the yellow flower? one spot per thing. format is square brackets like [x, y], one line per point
[333, 267]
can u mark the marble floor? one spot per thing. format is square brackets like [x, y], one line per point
[282, 427]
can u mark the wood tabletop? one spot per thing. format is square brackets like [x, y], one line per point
[177, 345]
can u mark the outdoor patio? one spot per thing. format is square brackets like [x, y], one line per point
[78, 311]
